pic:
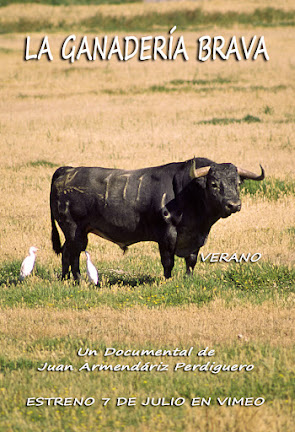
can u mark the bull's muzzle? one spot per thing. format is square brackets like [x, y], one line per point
[233, 207]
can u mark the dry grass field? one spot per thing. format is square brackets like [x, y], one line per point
[129, 115]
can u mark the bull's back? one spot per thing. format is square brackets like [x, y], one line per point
[116, 204]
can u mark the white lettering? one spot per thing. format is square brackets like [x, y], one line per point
[97, 47]
[261, 49]
[84, 49]
[217, 49]
[144, 48]
[71, 54]
[27, 44]
[45, 49]
[256, 259]
[233, 49]
[115, 49]
[204, 47]
[247, 52]
[127, 39]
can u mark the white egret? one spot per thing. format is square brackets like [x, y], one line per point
[92, 272]
[28, 263]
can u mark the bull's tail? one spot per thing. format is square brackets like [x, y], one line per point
[56, 244]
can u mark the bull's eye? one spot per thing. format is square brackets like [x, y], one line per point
[214, 185]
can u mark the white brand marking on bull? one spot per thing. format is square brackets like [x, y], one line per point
[70, 175]
[126, 184]
[139, 186]
[107, 181]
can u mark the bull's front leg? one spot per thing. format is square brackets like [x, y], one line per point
[167, 246]
[190, 262]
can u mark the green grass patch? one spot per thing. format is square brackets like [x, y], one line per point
[254, 283]
[193, 19]
[33, 96]
[41, 163]
[291, 230]
[6, 50]
[226, 121]
[197, 86]
[68, 2]
[25, 25]
[271, 188]
[194, 85]
[20, 363]
[151, 21]
[268, 110]
[272, 378]
[193, 82]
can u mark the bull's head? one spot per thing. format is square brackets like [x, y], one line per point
[222, 185]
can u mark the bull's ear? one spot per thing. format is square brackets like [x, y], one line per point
[198, 172]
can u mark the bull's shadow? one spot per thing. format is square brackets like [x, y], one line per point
[120, 277]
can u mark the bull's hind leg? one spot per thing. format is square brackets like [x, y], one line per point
[65, 260]
[75, 243]
[191, 262]
[75, 266]
[77, 246]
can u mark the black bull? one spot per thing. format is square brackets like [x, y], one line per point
[174, 205]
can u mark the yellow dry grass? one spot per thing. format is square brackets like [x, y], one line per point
[217, 419]
[76, 114]
[67, 114]
[70, 14]
[186, 326]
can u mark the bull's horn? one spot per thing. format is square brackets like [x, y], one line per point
[198, 172]
[244, 174]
